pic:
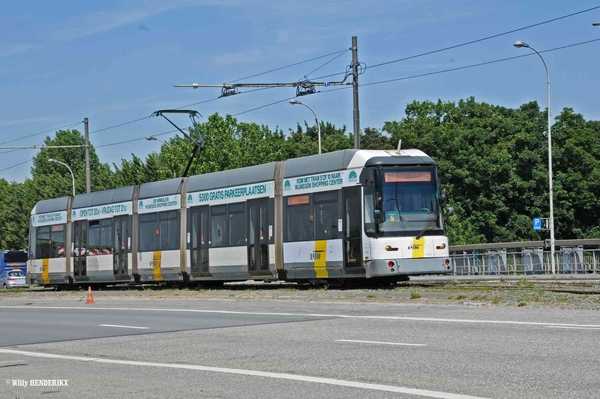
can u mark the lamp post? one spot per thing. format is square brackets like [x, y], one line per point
[596, 23]
[67, 166]
[150, 138]
[520, 44]
[294, 101]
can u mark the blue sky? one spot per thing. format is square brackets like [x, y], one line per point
[116, 62]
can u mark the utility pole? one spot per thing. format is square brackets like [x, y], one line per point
[88, 181]
[356, 113]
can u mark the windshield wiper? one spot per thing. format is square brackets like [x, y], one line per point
[428, 225]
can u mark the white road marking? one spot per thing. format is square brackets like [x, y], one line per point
[118, 326]
[402, 318]
[575, 328]
[255, 373]
[377, 342]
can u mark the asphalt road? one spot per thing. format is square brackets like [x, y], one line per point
[277, 349]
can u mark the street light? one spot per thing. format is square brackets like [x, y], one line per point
[150, 138]
[294, 101]
[72, 175]
[520, 44]
[596, 23]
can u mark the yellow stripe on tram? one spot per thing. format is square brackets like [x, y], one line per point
[320, 259]
[156, 261]
[45, 270]
[418, 247]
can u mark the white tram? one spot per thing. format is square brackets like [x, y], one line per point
[340, 216]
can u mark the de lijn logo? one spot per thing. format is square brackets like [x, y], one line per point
[352, 177]
[287, 186]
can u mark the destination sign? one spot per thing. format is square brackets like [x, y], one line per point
[46, 219]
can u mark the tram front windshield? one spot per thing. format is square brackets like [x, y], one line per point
[404, 202]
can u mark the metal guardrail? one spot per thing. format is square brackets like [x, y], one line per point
[569, 260]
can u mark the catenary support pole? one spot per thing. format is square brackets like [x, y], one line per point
[88, 179]
[356, 114]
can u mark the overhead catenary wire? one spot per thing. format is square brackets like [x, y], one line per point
[19, 164]
[37, 134]
[338, 53]
[479, 64]
[344, 72]
[372, 66]
[136, 139]
[291, 65]
[484, 38]
[139, 119]
[41, 146]
[470, 42]
[433, 73]
[366, 84]
[328, 62]
[45, 131]
[216, 98]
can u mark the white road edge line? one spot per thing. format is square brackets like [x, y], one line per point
[575, 328]
[118, 326]
[341, 316]
[292, 377]
[377, 342]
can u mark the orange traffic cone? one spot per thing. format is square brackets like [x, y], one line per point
[90, 299]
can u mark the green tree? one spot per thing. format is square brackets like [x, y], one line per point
[56, 179]
[490, 161]
[303, 143]
[373, 139]
[136, 171]
[576, 165]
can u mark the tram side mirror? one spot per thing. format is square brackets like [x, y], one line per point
[443, 199]
[378, 215]
[449, 211]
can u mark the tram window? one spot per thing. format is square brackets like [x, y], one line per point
[298, 223]
[159, 231]
[43, 242]
[168, 230]
[57, 241]
[219, 226]
[326, 215]
[94, 245]
[237, 228]
[369, 211]
[32, 242]
[148, 237]
[194, 227]
[106, 236]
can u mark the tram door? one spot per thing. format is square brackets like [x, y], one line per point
[120, 244]
[79, 249]
[199, 241]
[352, 226]
[258, 237]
